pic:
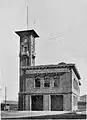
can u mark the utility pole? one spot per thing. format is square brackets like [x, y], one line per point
[5, 96]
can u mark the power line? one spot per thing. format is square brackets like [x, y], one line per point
[55, 36]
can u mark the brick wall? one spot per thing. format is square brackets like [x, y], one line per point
[75, 91]
[65, 85]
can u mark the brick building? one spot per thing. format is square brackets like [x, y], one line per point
[82, 103]
[9, 105]
[45, 87]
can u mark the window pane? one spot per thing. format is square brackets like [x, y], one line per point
[56, 81]
[46, 82]
[37, 82]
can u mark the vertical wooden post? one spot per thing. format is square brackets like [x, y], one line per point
[30, 103]
[49, 103]
[5, 96]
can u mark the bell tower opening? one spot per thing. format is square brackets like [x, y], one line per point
[27, 47]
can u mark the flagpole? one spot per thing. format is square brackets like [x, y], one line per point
[27, 16]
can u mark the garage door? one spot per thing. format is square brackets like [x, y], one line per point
[56, 102]
[37, 103]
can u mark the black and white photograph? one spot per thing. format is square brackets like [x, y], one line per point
[43, 59]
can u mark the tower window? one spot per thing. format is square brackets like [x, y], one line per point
[23, 62]
[46, 82]
[37, 82]
[33, 56]
[25, 48]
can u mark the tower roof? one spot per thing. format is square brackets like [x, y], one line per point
[27, 32]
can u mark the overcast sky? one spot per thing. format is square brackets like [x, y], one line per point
[62, 27]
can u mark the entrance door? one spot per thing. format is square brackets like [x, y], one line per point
[37, 103]
[56, 102]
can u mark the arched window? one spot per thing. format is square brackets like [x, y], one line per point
[46, 82]
[37, 82]
[56, 81]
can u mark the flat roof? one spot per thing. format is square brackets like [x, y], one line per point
[27, 32]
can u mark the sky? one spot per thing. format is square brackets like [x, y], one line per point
[62, 27]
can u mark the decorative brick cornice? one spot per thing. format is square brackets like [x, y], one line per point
[42, 67]
[28, 93]
[42, 75]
